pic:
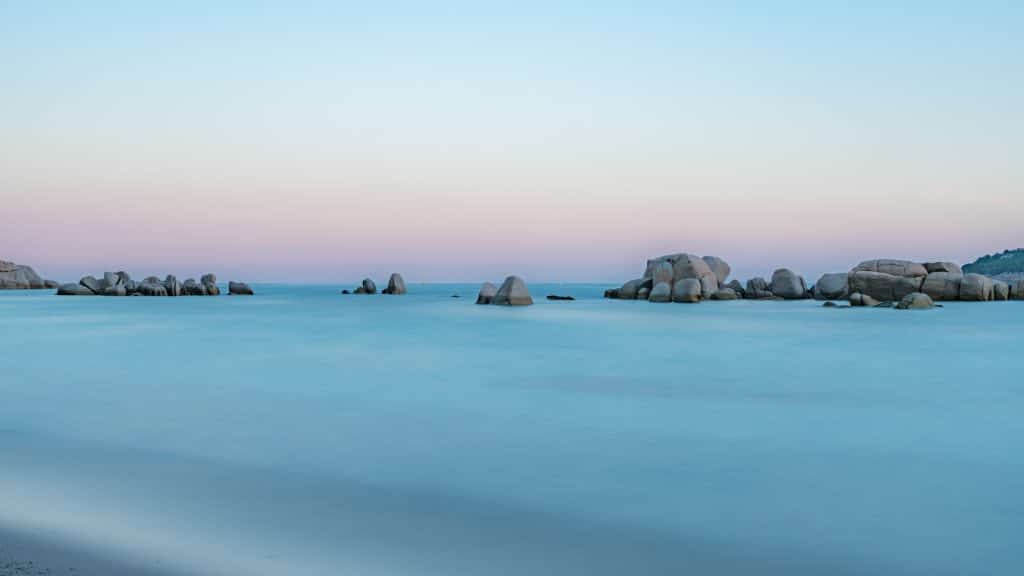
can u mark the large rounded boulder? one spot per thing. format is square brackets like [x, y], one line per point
[662, 292]
[687, 290]
[487, 293]
[788, 284]
[835, 286]
[976, 288]
[904, 268]
[239, 289]
[916, 301]
[883, 286]
[720, 267]
[18, 277]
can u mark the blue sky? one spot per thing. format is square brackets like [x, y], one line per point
[458, 141]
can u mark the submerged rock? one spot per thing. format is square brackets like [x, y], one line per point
[858, 299]
[916, 301]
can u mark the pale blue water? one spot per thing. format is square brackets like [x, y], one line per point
[305, 432]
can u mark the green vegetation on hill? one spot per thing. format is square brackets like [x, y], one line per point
[1007, 262]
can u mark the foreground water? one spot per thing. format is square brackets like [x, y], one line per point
[300, 431]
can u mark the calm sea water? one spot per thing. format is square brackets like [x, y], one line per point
[305, 432]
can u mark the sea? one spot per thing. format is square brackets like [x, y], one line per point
[301, 431]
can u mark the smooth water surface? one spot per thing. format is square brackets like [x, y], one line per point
[302, 431]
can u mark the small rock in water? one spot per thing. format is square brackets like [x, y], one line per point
[456, 296]
[239, 289]
[346, 291]
[557, 297]
[916, 301]
[829, 305]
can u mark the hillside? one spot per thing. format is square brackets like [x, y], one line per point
[1008, 265]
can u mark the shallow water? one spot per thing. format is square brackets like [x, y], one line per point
[307, 432]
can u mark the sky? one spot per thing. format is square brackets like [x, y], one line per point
[465, 141]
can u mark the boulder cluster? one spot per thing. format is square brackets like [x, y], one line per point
[122, 284]
[688, 278]
[396, 286]
[513, 292]
[886, 280]
[19, 277]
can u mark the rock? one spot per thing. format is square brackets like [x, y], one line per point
[1000, 290]
[193, 288]
[349, 292]
[611, 293]
[513, 292]
[904, 268]
[686, 290]
[719, 267]
[736, 287]
[209, 282]
[630, 289]
[396, 285]
[74, 290]
[110, 280]
[1017, 292]
[949, 267]
[559, 298]
[829, 304]
[662, 292]
[884, 305]
[152, 289]
[118, 290]
[173, 287]
[916, 301]
[487, 293]
[788, 284]
[833, 286]
[757, 289]
[976, 288]
[92, 284]
[858, 299]
[51, 284]
[368, 287]
[662, 272]
[643, 293]
[154, 280]
[883, 286]
[708, 286]
[18, 277]
[725, 294]
[942, 285]
[239, 289]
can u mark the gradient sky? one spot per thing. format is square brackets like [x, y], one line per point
[327, 141]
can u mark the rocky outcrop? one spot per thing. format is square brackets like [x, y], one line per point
[667, 271]
[239, 289]
[513, 292]
[19, 277]
[121, 284]
[487, 293]
[396, 285]
[834, 286]
[915, 301]
[1017, 290]
[976, 288]
[788, 285]
[736, 287]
